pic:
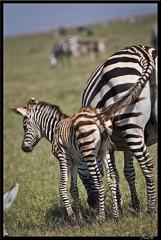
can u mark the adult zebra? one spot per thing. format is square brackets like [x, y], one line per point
[132, 131]
[66, 48]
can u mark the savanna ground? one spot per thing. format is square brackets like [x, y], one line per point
[38, 210]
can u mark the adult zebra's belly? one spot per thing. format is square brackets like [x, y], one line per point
[150, 135]
[118, 140]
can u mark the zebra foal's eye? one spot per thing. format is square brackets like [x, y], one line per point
[25, 124]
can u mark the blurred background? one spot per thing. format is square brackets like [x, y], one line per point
[24, 18]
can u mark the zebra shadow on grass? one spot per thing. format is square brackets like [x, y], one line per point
[57, 218]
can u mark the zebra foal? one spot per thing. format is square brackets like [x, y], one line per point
[81, 137]
[73, 139]
[132, 132]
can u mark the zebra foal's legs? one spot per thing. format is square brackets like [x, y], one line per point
[98, 183]
[111, 177]
[63, 188]
[113, 167]
[74, 190]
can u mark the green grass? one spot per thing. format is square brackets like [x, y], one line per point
[38, 210]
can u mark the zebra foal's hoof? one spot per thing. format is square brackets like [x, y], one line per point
[102, 217]
[151, 211]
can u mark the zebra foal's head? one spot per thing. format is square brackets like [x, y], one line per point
[32, 133]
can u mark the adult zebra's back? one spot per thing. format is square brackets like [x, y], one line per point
[134, 127]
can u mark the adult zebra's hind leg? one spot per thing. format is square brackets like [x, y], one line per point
[129, 173]
[147, 166]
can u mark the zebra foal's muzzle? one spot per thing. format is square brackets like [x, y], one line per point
[26, 148]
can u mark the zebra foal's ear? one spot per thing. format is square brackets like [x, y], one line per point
[31, 103]
[26, 111]
[21, 111]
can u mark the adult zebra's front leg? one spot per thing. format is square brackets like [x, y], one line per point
[74, 190]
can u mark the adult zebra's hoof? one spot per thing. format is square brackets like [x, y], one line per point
[116, 219]
[136, 205]
[79, 217]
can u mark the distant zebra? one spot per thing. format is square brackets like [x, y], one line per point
[134, 127]
[84, 136]
[94, 45]
[8, 199]
[154, 36]
[71, 46]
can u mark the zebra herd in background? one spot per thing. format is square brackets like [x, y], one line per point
[75, 46]
[124, 87]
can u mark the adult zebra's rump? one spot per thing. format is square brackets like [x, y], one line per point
[131, 131]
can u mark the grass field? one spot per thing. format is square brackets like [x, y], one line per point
[38, 210]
